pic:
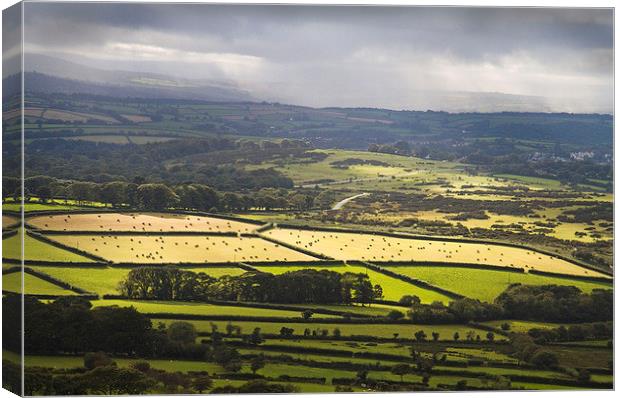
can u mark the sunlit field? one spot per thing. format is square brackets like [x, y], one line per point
[367, 247]
[180, 249]
[138, 222]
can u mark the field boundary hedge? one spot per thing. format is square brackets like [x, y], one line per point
[11, 270]
[319, 263]
[264, 228]
[31, 214]
[10, 230]
[142, 233]
[7, 233]
[338, 353]
[444, 264]
[404, 235]
[268, 306]
[247, 267]
[44, 263]
[58, 282]
[309, 263]
[571, 277]
[488, 328]
[53, 296]
[296, 248]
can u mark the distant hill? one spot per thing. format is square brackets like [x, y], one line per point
[42, 83]
[53, 75]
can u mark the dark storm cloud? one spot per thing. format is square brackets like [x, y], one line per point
[357, 49]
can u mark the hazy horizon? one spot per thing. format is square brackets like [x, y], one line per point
[453, 59]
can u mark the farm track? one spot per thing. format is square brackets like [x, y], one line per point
[343, 202]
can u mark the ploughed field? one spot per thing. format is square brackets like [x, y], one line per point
[370, 247]
[138, 222]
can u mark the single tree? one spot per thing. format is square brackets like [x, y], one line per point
[401, 370]
[202, 383]
[257, 363]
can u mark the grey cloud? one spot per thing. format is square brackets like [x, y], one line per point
[344, 53]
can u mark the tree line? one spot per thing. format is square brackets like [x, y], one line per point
[106, 162]
[293, 287]
[546, 303]
[158, 196]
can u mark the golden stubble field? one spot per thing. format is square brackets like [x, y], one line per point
[180, 249]
[138, 222]
[368, 247]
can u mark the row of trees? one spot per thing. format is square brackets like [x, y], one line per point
[596, 331]
[304, 286]
[547, 303]
[158, 196]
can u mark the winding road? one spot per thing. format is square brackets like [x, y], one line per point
[343, 202]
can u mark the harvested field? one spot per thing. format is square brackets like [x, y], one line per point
[368, 247]
[138, 222]
[180, 249]
[9, 221]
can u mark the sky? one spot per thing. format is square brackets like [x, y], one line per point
[392, 57]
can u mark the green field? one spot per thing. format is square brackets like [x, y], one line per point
[275, 370]
[407, 331]
[486, 285]
[32, 285]
[372, 310]
[393, 289]
[40, 207]
[522, 326]
[536, 181]
[461, 354]
[105, 280]
[171, 307]
[36, 250]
